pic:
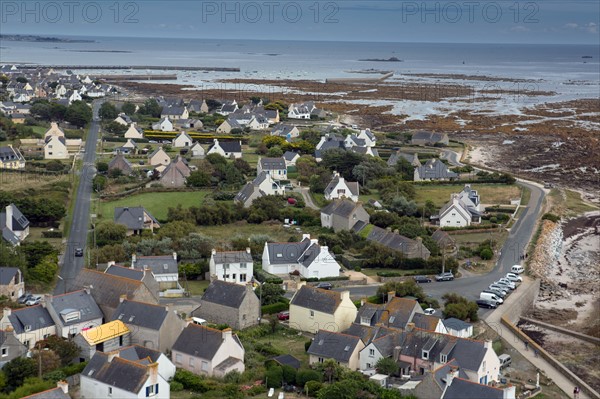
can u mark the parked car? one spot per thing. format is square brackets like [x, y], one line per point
[515, 278]
[518, 269]
[34, 300]
[422, 279]
[504, 286]
[325, 286]
[152, 141]
[484, 303]
[498, 293]
[429, 311]
[508, 283]
[501, 288]
[491, 297]
[505, 360]
[448, 276]
[79, 252]
[24, 298]
[285, 315]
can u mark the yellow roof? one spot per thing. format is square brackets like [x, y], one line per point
[105, 332]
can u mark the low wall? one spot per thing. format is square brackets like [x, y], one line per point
[341, 283]
[550, 359]
[584, 337]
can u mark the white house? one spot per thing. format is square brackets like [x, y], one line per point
[55, 147]
[30, 324]
[109, 375]
[275, 167]
[182, 140]
[197, 150]
[164, 125]
[290, 158]
[54, 131]
[340, 188]
[462, 210]
[368, 137]
[307, 257]
[259, 187]
[458, 328]
[123, 119]
[73, 312]
[134, 132]
[300, 111]
[227, 149]
[231, 266]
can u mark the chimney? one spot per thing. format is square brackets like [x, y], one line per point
[345, 295]
[64, 385]
[451, 375]
[9, 217]
[111, 263]
[213, 252]
[247, 250]
[227, 333]
[6, 312]
[299, 285]
[122, 298]
[175, 255]
[112, 355]
[87, 289]
[410, 326]
[396, 354]
[133, 260]
[487, 344]
[167, 308]
[391, 295]
[152, 370]
[363, 301]
[509, 392]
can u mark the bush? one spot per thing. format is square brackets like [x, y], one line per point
[305, 375]
[275, 308]
[176, 386]
[52, 234]
[486, 254]
[357, 268]
[551, 217]
[312, 388]
[190, 381]
[256, 390]
[289, 374]
[274, 377]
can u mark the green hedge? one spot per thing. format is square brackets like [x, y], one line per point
[472, 227]
[52, 234]
[400, 274]
[499, 209]
[266, 277]
[275, 308]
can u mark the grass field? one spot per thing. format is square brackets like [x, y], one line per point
[156, 203]
[21, 181]
[35, 234]
[576, 205]
[475, 239]
[491, 194]
[223, 234]
[195, 288]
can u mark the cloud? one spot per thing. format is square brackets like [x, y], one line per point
[591, 27]
[571, 25]
[520, 29]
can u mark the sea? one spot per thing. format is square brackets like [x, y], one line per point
[569, 71]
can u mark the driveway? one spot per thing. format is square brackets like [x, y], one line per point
[305, 191]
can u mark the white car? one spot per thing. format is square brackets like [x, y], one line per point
[507, 282]
[429, 311]
[514, 277]
[498, 287]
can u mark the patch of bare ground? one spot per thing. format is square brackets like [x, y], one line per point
[457, 76]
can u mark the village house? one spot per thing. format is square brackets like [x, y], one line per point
[10, 347]
[395, 313]
[342, 348]
[103, 338]
[444, 242]
[408, 247]
[229, 303]
[175, 174]
[54, 130]
[60, 392]
[55, 147]
[434, 169]
[343, 214]
[338, 188]
[12, 284]
[275, 167]
[197, 151]
[368, 136]
[14, 226]
[182, 140]
[189, 124]
[429, 138]
[11, 158]
[306, 257]
[107, 290]
[227, 149]
[134, 132]
[197, 106]
[329, 141]
[229, 125]
[163, 125]
[261, 186]
[136, 219]
[73, 312]
[130, 147]
[144, 276]
[301, 111]
[458, 328]
[156, 327]
[228, 107]
[206, 351]
[313, 309]
[123, 119]
[462, 210]
[159, 157]
[288, 132]
[413, 159]
[109, 375]
[121, 163]
[290, 158]
[175, 112]
[30, 324]
[165, 269]
[231, 266]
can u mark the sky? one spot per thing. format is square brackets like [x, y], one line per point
[461, 21]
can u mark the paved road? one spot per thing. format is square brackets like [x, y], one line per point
[305, 191]
[81, 213]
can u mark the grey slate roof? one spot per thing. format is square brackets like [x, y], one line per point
[161, 264]
[229, 146]
[36, 317]
[465, 389]
[289, 155]
[132, 217]
[441, 373]
[435, 169]
[232, 257]
[140, 314]
[78, 300]
[7, 274]
[200, 341]
[246, 192]
[410, 248]
[311, 253]
[227, 294]
[139, 354]
[20, 222]
[121, 163]
[396, 156]
[386, 344]
[288, 360]
[272, 163]
[8, 154]
[456, 324]
[317, 299]
[338, 346]
[54, 393]
[126, 272]
[120, 373]
[430, 137]
[341, 207]
[286, 252]
[442, 238]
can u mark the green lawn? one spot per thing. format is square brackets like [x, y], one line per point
[491, 194]
[223, 234]
[195, 288]
[156, 203]
[35, 234]
[475, 239]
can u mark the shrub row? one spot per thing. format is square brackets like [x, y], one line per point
[414, 273]
[52, 234]
[472, 227]
[499, 209]
[275, 308]
[266, 277]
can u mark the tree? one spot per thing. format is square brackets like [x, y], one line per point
[216, 159]
[78, 114]
[115, 128]
[109, 232]
[110, 253]
[460, 307]
[128, 108]
[108, 111]
[99, 183]
[305, 375]
[387, 365]
[199, 178]
[176, 229]
[269, 293]
[341, 161]
[45, 270]
[102, 167]
[151, 108]
[48, 358]
[331, 369]
[274, 377]
[403, 206]
[17, 370]
[35, 251]
[275, 152]
[486, 254]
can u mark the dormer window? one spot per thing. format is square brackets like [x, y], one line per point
[27, 328]
[71, 316]
[425, 354]
[347, 348]
[365, 321]
[443, 358]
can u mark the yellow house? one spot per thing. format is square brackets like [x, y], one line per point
[11, 158]
[313, 309]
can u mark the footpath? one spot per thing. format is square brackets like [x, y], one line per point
[516, 300]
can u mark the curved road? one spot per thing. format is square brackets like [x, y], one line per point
[78, 234]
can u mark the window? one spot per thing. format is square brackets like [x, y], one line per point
[321, 360]
[483, 365]
[242, 278]
[226, 266]
[204, 366]
[312, 313]
[109, 391]
[191, 362]
[443, 358]
[178, 358]
[151, 390]
[4, 352]
[27, 328]
[242, 265]
[369, 365]
[425, 354]
[371, 352]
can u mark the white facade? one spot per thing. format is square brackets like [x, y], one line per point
[133, 133]
[182, 140]
[217, 149]
[164, 125]
[369, 356]
[239, 271]
[455, 215]
[55, 149]
[368, 137]
[489, 368]
[93, 389]
[197, 151]
[340, 190]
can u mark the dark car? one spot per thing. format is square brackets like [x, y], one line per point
[448, 276]
[79, 252]
[285, 315]
[325, 286]
[422, 279]
[484, 303]
[24, 298]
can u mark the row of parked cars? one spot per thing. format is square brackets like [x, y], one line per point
[29, 299]
[447, 276]
[494, 295]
